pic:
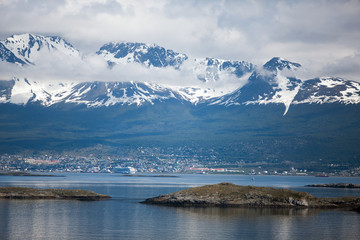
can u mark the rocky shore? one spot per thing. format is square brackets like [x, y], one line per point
[32, 193]
[335, 185]
[231, 195]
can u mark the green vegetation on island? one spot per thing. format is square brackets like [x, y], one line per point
[32, 193]
[231, 195]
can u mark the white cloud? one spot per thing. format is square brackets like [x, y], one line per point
[61, 68]
[314, 33]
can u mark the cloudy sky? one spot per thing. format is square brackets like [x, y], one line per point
[322, 35]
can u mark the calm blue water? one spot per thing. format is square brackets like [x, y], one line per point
[123, 217]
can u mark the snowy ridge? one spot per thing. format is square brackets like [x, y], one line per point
[212, 69]
[106, 94]
[91, 94]
[196, 95]
[103, 94]
[147, 54]
[99, 94]
[328, 90]
[27, 48]
[151, 55]
[280, 64]
[24, 91]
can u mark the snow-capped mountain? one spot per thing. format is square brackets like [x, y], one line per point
[273, 83]
[147, 54]
[98, 94]
[269, 84]
[27, 48]
[211, 69]
[276, 83]
[91, 94]
[280, 64]
[151, 55]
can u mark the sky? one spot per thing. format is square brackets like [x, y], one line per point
[322, 35]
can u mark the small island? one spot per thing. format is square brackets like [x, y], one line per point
[335, 185]
[26, 174]
[149, 175]
[231, 195]
[32, 193]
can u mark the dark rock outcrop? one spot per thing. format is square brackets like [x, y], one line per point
[231, 195]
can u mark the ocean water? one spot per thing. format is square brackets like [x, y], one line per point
[123, 217]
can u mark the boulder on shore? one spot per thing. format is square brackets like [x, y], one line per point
[231, 195]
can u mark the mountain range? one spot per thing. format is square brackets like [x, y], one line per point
[266, 102]
[274, 82]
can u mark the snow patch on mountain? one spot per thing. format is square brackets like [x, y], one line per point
[21, 92]
[25, 91]
[285, 89]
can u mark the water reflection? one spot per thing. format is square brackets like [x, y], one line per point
[248, 212]
[122, 217]
[267, 223]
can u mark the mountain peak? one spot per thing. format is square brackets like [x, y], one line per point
[277, 63]
[25, 48]
[210, 69]
[147, 54]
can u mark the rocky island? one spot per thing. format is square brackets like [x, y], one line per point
[231, 195]
[26, 174]
[32, 193]
[335, 185]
